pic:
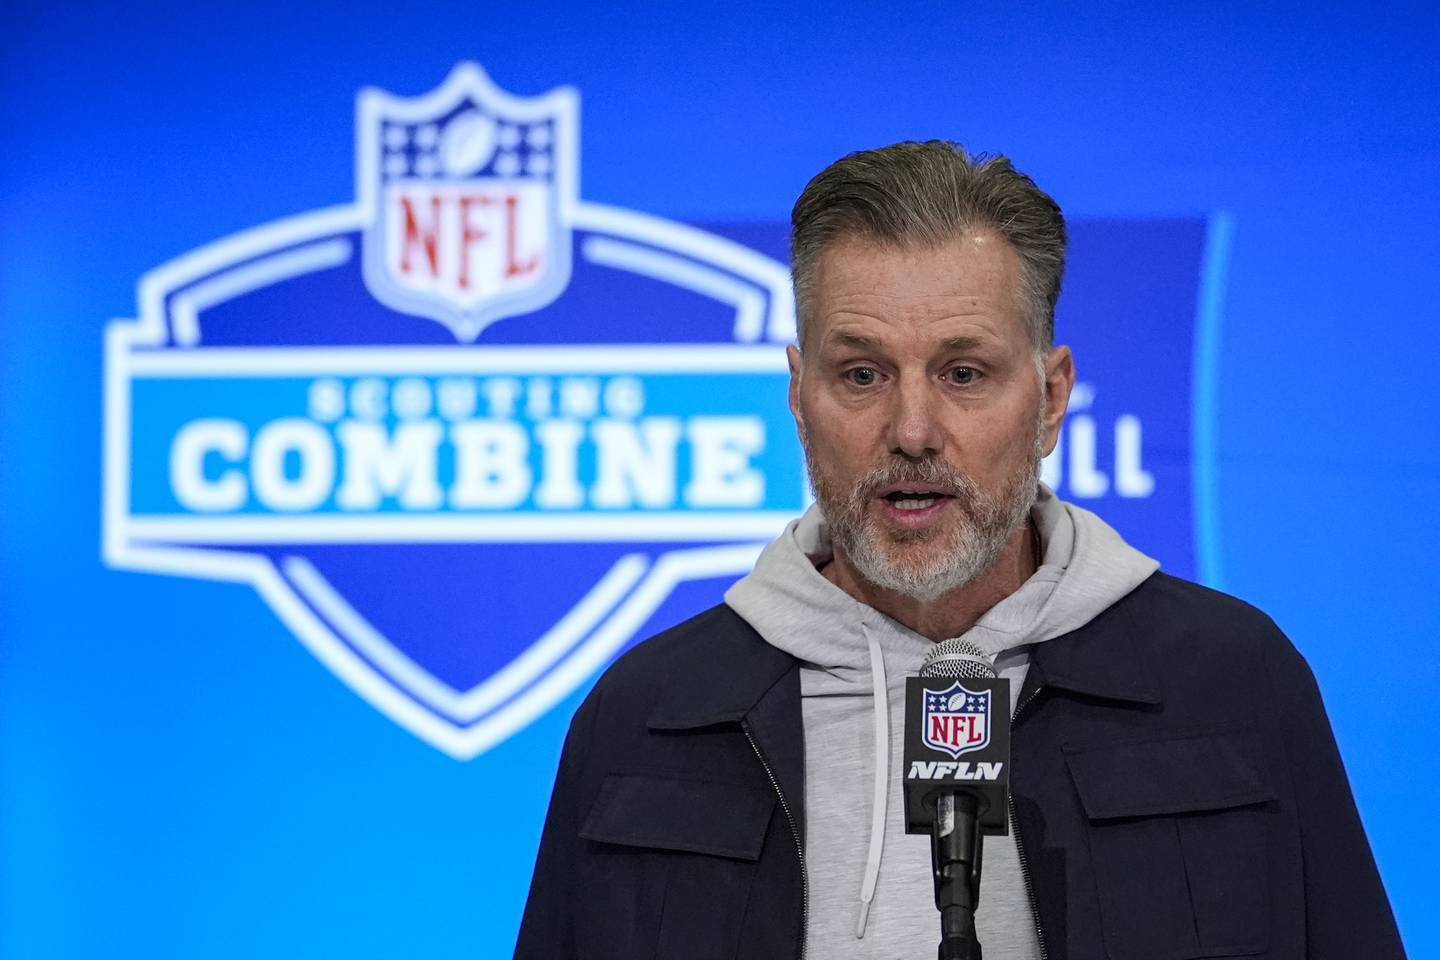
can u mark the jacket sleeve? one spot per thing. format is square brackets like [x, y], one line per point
[1347, 913]
[547, 930]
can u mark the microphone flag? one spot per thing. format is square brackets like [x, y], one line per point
[957, 739]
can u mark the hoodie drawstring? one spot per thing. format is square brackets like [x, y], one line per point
[882, 781]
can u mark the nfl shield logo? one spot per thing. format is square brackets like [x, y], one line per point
[957, 720]
[470, 194]
[463, 524]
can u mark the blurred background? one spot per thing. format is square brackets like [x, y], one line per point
[179, 777]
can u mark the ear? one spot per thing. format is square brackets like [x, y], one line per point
[796, 362]
[1059, 381]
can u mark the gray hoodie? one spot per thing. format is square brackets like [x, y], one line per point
[870, 891]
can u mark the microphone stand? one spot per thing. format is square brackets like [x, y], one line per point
[955, 847]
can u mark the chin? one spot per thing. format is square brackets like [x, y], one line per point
[922, 572]
[926, 586]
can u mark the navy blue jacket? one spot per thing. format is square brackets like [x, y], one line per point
[1177, 790]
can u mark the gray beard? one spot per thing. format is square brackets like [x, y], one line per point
[969, 549]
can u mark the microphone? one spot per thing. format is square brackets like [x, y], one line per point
[957, 759]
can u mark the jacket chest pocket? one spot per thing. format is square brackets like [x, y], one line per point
[682, 855]
[1178, 842]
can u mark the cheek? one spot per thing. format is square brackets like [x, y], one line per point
[995, 444]
[829, 449]
[829, 428]
[849, 442]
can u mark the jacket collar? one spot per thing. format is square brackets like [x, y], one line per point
[734, 671]
[1104, 658]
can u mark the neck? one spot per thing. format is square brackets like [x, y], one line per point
[950, 614]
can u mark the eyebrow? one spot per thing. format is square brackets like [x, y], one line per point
[853, 340]
[862, 342]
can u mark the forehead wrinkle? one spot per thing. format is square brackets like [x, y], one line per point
[842, 332]
[909, 309]
[915, 294]
[868, 296]
[863, 341]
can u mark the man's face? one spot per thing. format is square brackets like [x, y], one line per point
[922, 410]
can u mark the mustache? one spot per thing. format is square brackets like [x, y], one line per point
[932, 473]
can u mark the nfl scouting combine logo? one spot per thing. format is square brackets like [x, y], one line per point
[466, 435]
[956, 720]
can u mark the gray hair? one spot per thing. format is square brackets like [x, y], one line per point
[926, 194]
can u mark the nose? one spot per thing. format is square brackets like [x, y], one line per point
[915, 429]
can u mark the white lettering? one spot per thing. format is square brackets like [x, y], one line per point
[377, 465]
[276, 442]
[367, 399]
[624, 398]
[492, 467]
[636, 462]
[1085, 479]
[501, 394]
[1131, 479]
[425, 443]
[537, 398]
[192, 445]
[326, 400]
[721, 472]
[580, 398]
[456, 398]
[411, 399]
[559, 465]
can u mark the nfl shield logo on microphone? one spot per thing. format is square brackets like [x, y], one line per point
[956, 720]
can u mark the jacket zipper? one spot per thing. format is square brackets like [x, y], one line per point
[794, 832]
[1019, 844]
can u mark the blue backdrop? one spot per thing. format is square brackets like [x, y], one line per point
[180, 777]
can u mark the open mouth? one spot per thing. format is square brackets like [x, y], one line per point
[914, 500]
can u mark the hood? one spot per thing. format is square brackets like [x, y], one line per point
[1085, 567]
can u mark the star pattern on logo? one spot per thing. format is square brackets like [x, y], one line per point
[396, 165]
[521, 150]
[524, 150]
[956, 701]
[397, 137]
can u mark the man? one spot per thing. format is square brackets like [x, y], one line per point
[731, 787]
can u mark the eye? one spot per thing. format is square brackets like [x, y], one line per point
[963, 376]
[862, 376]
